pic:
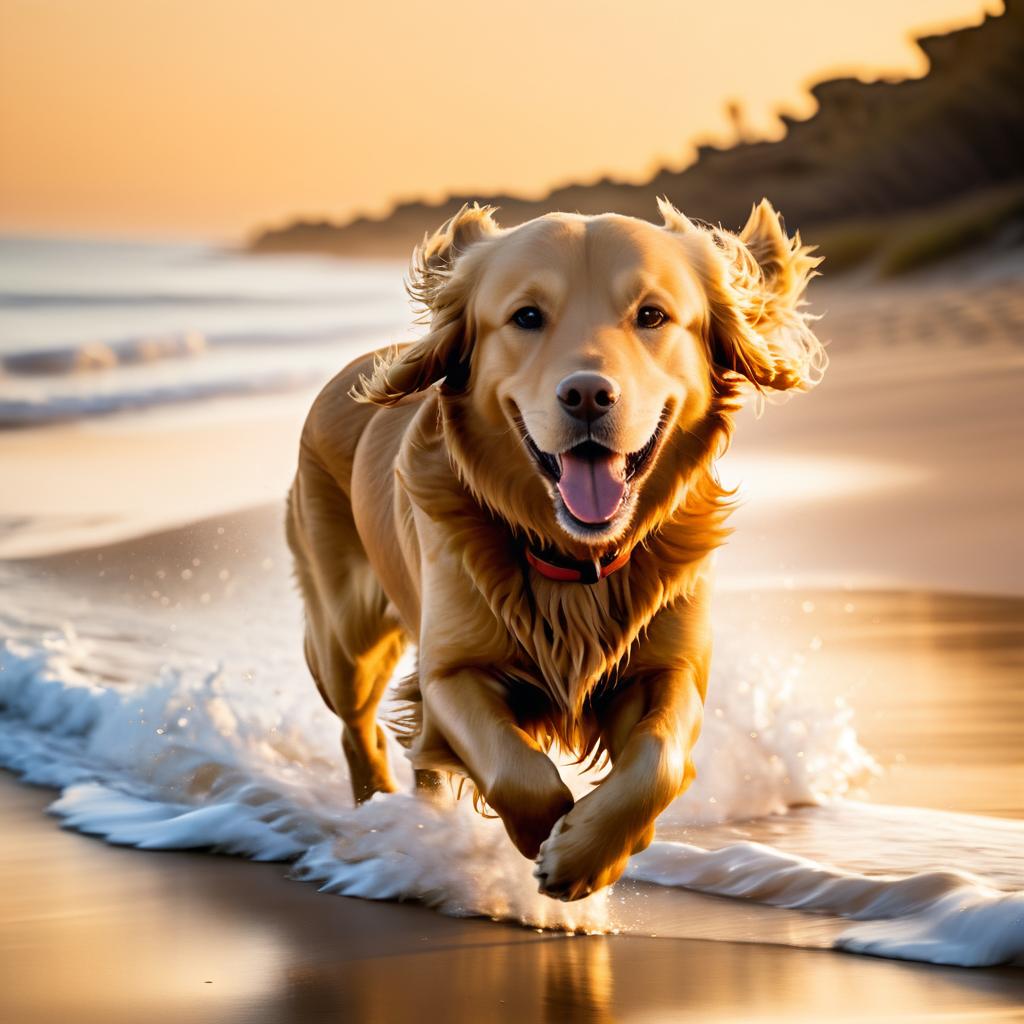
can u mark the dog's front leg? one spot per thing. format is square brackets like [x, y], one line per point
[517, 779]
[651, 732]
[460, 640]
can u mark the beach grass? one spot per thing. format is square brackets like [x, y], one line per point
[922, 238]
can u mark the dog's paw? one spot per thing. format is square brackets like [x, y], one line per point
[580, 856]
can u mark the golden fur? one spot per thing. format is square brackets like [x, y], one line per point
[417, 494]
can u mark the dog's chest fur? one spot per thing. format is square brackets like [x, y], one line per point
[565, 637]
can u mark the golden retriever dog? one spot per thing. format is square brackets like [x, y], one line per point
[528, 494]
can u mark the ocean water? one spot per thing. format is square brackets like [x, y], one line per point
[91, 327]
[160, 686]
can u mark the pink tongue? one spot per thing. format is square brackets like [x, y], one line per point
[592, 489]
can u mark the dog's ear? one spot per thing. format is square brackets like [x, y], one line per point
[755, 283]
[441, 279]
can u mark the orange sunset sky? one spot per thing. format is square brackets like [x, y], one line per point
[210, 117]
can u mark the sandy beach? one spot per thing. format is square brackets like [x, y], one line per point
[870, 602]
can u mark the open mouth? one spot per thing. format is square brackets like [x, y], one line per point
[592, 480]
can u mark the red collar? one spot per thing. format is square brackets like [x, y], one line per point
[570, 571]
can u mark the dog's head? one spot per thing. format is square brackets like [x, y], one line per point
[582, 358]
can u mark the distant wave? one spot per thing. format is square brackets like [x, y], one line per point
[104, 355]
[81, 357]
[45, 300]
[59, 408]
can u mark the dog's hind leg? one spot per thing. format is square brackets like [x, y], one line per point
[352, 680]
[353, 641]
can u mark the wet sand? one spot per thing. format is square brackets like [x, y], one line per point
[934, 680]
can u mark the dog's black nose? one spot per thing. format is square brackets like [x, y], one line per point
[587, 395]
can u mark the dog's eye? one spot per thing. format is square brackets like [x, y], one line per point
[650, 317]
[529, 318]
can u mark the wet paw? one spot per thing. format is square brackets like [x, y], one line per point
[579, 856]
